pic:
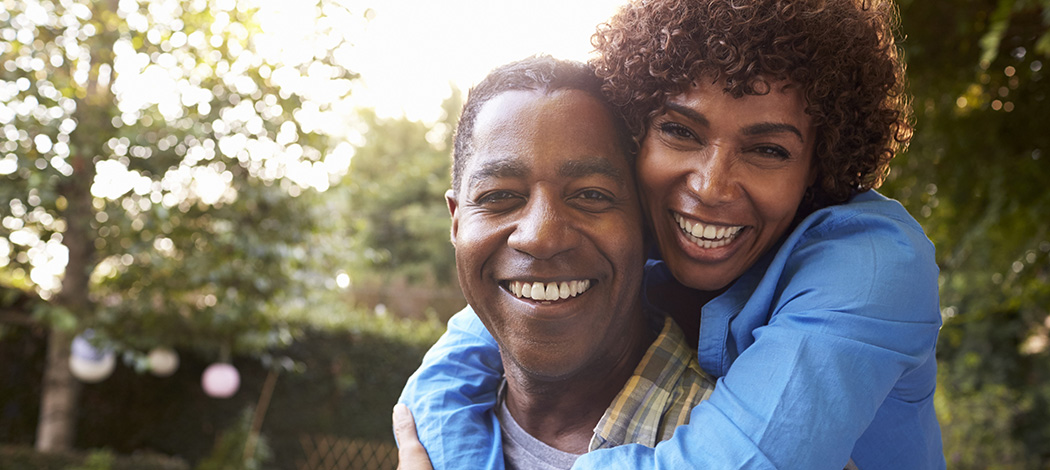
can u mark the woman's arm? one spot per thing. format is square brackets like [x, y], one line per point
[452, 395]
[841, 362]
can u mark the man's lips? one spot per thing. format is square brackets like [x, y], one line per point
[547, 291]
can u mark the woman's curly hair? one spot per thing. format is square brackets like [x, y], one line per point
[841, 53]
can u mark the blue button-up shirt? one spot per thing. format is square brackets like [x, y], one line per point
[824, 350]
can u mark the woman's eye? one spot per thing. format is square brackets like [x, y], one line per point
[774, 151]
[676, 130]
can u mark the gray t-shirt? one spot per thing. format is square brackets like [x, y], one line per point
[522, 451]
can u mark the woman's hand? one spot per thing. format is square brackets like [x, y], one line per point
[410, 455]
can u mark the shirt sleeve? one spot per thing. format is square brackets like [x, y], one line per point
[452, 396]
[846, 354]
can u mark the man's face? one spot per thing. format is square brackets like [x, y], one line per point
[547, 229]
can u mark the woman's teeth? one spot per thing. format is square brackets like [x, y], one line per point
[549, 290]
[708, 236]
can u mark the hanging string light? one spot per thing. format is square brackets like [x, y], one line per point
[162, 361]
[88, 363]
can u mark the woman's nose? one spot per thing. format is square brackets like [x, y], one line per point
[713, 180]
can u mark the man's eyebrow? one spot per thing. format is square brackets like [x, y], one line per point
[773, 128]
[505, 168]
[587, 166]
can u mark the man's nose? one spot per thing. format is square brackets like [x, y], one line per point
[545, 228]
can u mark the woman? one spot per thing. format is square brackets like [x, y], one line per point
[763, 126]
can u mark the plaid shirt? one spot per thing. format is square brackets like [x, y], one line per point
[665, 387]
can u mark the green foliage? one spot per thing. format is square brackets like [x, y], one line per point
[189, 206]
[975, 176]
[975, 427]
[98, 460]
[25, 458]
[159, 171]
[229, 450]
[394, 199]
[340, 377]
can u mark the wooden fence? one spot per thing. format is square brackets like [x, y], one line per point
[324, 452]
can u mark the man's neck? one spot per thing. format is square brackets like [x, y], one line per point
[563, 413]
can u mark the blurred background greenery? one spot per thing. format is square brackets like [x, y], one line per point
[164, 183]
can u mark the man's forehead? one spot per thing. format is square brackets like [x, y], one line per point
[566, 133]
[485, 167]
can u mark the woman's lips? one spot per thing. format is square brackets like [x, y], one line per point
[707, 235]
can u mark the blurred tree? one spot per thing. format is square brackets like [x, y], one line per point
[976, 177]
[394, 204]
[158, 168]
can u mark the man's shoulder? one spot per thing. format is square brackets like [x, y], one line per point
[667, 383]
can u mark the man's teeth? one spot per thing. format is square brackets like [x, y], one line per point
[549, 290]
[707, 236]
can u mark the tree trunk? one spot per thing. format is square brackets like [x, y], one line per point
[57, 425]
[58, 402]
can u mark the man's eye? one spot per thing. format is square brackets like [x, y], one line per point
[592, 200]
[496, 197]
[595, 195]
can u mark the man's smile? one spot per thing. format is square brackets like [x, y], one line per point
[547, 291]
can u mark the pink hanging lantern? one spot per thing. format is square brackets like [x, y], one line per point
[220, 380]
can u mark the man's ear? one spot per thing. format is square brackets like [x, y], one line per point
[453, 204]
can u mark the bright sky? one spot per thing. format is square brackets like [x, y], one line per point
[411, 50]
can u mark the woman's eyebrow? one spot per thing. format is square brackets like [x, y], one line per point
[752, 130]
[773, 128]
[688, 112]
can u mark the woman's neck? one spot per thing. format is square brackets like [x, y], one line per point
[683, 304]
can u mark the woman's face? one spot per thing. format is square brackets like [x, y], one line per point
[722, 177]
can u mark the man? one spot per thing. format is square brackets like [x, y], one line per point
[549, 251]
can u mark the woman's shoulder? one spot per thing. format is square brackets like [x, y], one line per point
[868, 248]
[868, 225]
[868, 208]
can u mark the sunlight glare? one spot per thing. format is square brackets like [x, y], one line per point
[411, 52]
[342, 280]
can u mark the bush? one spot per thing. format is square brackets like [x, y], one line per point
[26, 458]
[347, 374]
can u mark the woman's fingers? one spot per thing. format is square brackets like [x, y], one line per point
[411, 455]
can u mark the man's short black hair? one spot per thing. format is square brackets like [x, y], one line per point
[538, 73]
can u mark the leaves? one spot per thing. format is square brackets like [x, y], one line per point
[187, 160]
[975, 176]
[394, 195]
